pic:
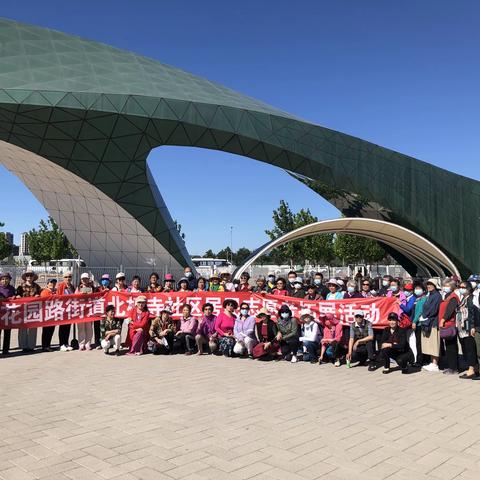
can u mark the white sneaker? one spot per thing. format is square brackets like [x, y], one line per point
[431, 367]
[294, 359]
[337, 363]
[63, 348]
[69, 348]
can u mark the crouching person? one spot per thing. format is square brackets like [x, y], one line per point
[113, 331]
[360, 345]
[244, 332]
[310, 336]
[394, 345]
[206, 333]
[162, 332]
[287, 335]
[265, 332]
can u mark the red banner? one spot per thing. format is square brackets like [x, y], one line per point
[78, 308]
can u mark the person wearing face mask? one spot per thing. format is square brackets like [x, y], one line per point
[475, 283]
[407, 306]
[447, 325]
[298, 291]
[396, 292]
[419, 301]
[318, 282]
[287, 334]
[385, 286]
[188, 274]
[105, 283]
[352, 291]
[271, 283]
[244, 332]
[467, 319]
[291, 277]
[429, 324]
[99, 325]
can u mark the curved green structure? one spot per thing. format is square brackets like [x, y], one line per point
[95, 112]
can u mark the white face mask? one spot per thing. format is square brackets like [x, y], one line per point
[463, 291]
[285, 314]
[447, 289]
[418, 292]
[385, 283]
[244, 312]
[351, 289]
[474, 284]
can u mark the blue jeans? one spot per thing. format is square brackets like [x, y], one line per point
[311, 354]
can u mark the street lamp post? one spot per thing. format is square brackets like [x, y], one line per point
[231, 243]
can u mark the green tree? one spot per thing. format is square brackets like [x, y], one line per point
[49, 242]
[356, 249]
[241, 255]
[209, 254]
[225, 253]
[5, 247]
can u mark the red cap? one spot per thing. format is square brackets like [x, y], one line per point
[408, 286]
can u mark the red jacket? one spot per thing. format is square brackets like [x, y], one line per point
[61, 288]
[450, 319]
[142, 322]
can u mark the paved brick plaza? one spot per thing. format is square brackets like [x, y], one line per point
[80, 415]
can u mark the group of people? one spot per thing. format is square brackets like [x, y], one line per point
[436, 325]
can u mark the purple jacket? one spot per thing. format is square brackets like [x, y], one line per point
[244, 328]
[6, 292]
[207, 326]
[189, 325]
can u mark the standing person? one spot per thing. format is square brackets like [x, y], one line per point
[420, 299]
[244, 286]
[260, 285]
[394, 345]
[214, 284]
[429, 325]
[244, 332]
[120, 283]
[202, 285]
[280, 288]
[153, 285]
[318, 282]
[105, 283]
[65, 288]
[85, 329]
[310, 336]
[7, 291]
[366, 291]
[271, 283]
[138, 327]
[182, 285]
[185, 337]
[135, 285]
[188, 274]
[467, 319]
[287, 335]
[162, 333]
[27, 337]
[226, 282]
[266, 332]
[298, 291]
[291, 277]
[312, 293]
[385, 285]
[206, 333]
[352, 291]
[47, 332]
[334, 290]
[447, 325]
[224, 325]
[168, 283]
[332, 340]
[112, 331]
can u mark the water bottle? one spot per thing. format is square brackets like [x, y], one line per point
[348, 363]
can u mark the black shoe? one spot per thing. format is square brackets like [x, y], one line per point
[386, 370]
[372, 368]
[107, 351]
[405, 371]
[117, 353]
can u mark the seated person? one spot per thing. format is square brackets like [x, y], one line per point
[162, 332]
[206, 333]
[310, 336]
[185, 337]
[360, 345]
[287, 335]
[265, 332]
[394, 345]
[113, 331]
[331, 342]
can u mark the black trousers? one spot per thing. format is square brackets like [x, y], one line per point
[64, 334]
[362, 352]
[47, 334]
[7, 334]
[162, 349]
[469, 349]
[289, 347]
[96, 332]
[451, 352]
[185, 342]
[338, 350]
[418, 342]
[401, 358]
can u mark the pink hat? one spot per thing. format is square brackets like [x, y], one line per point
[169, 277]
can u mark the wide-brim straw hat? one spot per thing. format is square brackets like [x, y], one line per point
[6, 275]
[435, 282]
[263, 312]
[141, 298]
[333, 281]
[29, 272]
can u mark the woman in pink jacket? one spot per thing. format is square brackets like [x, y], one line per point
[332, 340]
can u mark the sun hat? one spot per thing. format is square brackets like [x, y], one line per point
[68, 273]
[263, 312]
[435, 282]
[6, 275]
[306, 312]
[119, 275]
[105, 276]
[29, 272]
[333, 281]
[141, 298]
[168, 277]
[298, 280]
[360, 313]
[229, 301]
[84, 275]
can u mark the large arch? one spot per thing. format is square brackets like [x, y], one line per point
[97, 112]
[428, 258]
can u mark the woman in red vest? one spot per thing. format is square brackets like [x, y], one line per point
[447, 325]
[138, 327]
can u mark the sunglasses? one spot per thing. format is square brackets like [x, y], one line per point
[365, 284]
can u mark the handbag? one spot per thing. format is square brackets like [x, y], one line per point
[447, 333]
[405, 321]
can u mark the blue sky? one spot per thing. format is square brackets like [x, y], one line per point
[404, 75]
